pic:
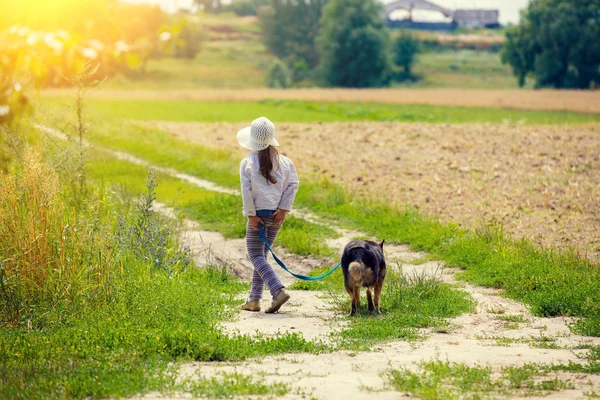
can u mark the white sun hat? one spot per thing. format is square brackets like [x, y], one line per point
[258, 136]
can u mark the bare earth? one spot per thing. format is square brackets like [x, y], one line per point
[572, 100]
[539, 182]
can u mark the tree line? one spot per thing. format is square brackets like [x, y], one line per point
[557, 43]
[334, 42]
[346, 43]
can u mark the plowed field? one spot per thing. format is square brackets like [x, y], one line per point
[542, 183]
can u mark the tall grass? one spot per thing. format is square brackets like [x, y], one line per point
[56, 255]
[50, 257]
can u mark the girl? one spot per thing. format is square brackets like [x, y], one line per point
[269, 186]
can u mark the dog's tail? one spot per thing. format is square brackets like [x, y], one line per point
[356, 270]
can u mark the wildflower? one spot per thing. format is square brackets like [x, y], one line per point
[121, 47]
[33, 38]
[89, 53]
[64, 35]
[49, 38]
[96, 45]
[4, 110]
[22, 31]
[165, 36]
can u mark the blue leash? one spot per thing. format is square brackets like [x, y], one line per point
[263, 238]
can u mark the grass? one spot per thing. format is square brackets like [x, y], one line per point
[465, 69]
[127, 347]
[553, 283]
[156, 320]
[126, 335]
[215, 211]
[233, 64]
[305, 111]
[408, 304]
[591, 366]
[449, 380]
[231, 385]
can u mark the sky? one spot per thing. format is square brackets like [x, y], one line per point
[509, 9]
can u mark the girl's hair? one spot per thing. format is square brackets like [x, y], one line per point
[266, 159]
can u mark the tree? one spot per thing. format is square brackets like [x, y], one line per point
[405, 49]
[558, 41]
[354, 44]
[278, 75]
[519, 51]
[289, 29]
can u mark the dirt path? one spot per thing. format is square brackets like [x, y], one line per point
[477, 338]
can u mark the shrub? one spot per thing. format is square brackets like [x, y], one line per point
[557, 41]
[354, 44]
[278, 75]
[405, 49]
[300, 70]
[290, 28]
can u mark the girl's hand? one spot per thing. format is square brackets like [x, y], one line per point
[255, 221]
[279, 217]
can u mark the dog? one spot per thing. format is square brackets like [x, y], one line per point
[363, 264]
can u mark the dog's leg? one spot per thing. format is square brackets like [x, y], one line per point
[353, 306]
[378, 287]
[355, 298]
[370, 300]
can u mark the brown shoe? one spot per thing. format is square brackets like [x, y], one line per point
[251, 305]
[280, 299]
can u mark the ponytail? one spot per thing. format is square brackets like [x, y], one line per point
[266, 158]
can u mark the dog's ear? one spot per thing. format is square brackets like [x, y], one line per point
[381, 244]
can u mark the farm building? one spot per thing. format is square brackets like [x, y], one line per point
[423, 14]
[477, 19]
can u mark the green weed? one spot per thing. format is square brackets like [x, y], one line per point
[231, 385]
[591, 366]
[448, 380]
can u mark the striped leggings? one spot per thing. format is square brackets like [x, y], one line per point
[257, 252]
